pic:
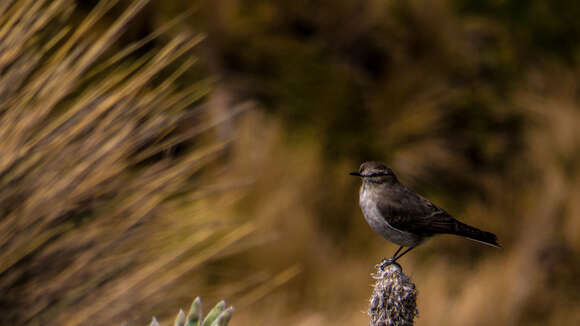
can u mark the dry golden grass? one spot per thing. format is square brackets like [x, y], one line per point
[101, 196]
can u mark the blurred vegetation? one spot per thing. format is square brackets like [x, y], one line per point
[473, 103]
[102, 155]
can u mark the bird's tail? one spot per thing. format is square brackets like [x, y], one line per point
[476, 234]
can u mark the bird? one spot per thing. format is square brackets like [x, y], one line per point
[404, 217]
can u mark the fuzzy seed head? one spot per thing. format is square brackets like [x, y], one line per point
[394, 298]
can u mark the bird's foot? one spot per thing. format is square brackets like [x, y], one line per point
[386, 262]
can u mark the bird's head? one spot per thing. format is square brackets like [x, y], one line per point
[375, 172]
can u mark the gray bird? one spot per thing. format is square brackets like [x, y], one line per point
[402, 216]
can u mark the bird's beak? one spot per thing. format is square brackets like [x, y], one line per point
[356, 174]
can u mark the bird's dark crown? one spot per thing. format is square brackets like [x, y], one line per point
[373, 169]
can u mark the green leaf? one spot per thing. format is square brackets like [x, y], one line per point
[214, 313]
[224, 317]
[194, 315]
[154, 322]
[180, 319]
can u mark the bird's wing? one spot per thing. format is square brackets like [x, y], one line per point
[413, 213]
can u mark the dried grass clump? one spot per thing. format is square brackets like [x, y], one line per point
[394, 298]
[102, 154]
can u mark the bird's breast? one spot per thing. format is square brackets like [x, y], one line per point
[379, 223]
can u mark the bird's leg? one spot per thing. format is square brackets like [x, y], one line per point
[402, 254]
[396, 252]
[386, 262]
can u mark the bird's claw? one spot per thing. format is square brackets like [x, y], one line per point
[386, 262]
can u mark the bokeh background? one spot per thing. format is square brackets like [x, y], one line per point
[154, 151]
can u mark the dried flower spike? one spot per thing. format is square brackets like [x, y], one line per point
[394, 298]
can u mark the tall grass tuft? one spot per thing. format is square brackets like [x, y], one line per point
[102, 153]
